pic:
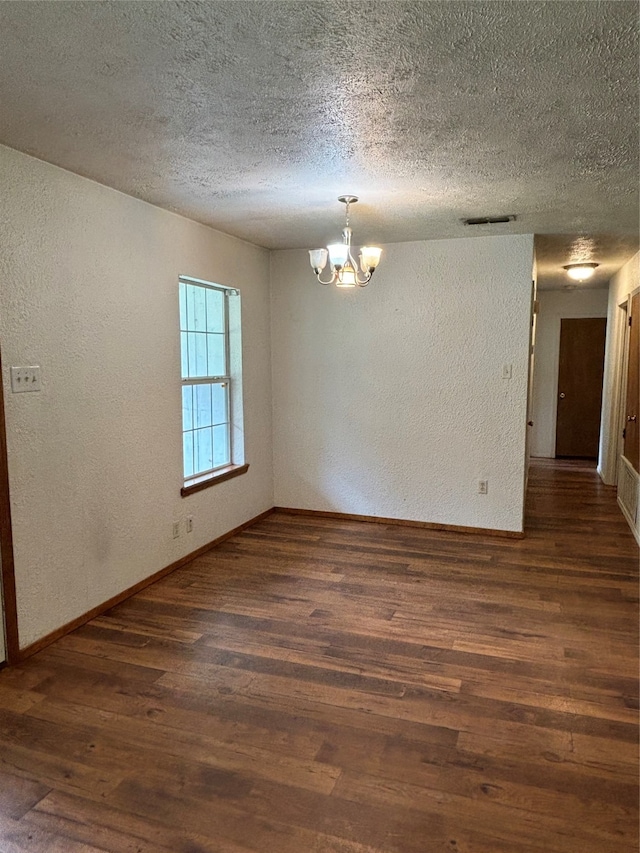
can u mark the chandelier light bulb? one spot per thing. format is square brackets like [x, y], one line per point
[346, 276]
[580, 272]
[318, 258]
[343, 267]
[338, 254]
[369, 258]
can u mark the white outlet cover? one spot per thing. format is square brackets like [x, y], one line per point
[25, 379]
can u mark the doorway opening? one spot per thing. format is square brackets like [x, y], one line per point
[580, 377]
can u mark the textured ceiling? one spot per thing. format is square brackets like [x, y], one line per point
[253, 117]
[553, 251]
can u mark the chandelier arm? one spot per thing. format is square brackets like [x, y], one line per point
[363, 282]
[331, 280]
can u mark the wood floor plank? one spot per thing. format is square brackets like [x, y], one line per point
[153, 744]
[18, 795]
[119, 831]
[22, 838]
[508, 812]
[318, 685]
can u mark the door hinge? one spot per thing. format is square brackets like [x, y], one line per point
[630, 319]
[624, 432]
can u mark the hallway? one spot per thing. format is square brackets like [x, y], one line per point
[316, 685]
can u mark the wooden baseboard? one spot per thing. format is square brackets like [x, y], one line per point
[45, 641]
[401, 522]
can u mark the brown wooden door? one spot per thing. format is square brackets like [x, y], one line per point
[580, 386]
[631, 431]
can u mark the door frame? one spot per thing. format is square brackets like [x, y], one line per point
[623, 318]
[534, 308]
[626, 354]
[7, 568]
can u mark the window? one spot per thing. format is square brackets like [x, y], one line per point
[210, 360]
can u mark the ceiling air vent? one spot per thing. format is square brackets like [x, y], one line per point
[489, 220]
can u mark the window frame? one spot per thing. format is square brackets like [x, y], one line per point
[203, 479]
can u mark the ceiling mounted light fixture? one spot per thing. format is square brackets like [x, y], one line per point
[580, 272]
[344, 269]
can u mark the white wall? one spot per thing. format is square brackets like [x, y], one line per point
[389, 401]
[626, 280]
[89, 292]
[555, 305]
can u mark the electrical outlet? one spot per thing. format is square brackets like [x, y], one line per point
[506, 371]
[189, 524]
[483, 487]
[176, 529]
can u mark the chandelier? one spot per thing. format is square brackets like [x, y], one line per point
[344, 269]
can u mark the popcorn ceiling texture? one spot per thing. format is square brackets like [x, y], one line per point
[90, 293]
[609, 251]
[253, 117]
[389, 401]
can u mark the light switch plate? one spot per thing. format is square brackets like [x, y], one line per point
[25, 379]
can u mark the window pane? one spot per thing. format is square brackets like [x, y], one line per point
[202, 405]
[220, 402]
[183, 306]
[216, 356]
[203, 449]
[184, 355]
[196, 308]
[187, 450]
[190, 307]
[221, 446]
[215, 311]
[197, 353]
[187, 407]
[191, 354]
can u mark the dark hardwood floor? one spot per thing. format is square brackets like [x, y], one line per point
[323, 686]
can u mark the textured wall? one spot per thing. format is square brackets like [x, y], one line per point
[620, 286]
[389, 401]
[89, 292]
[554, 305]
